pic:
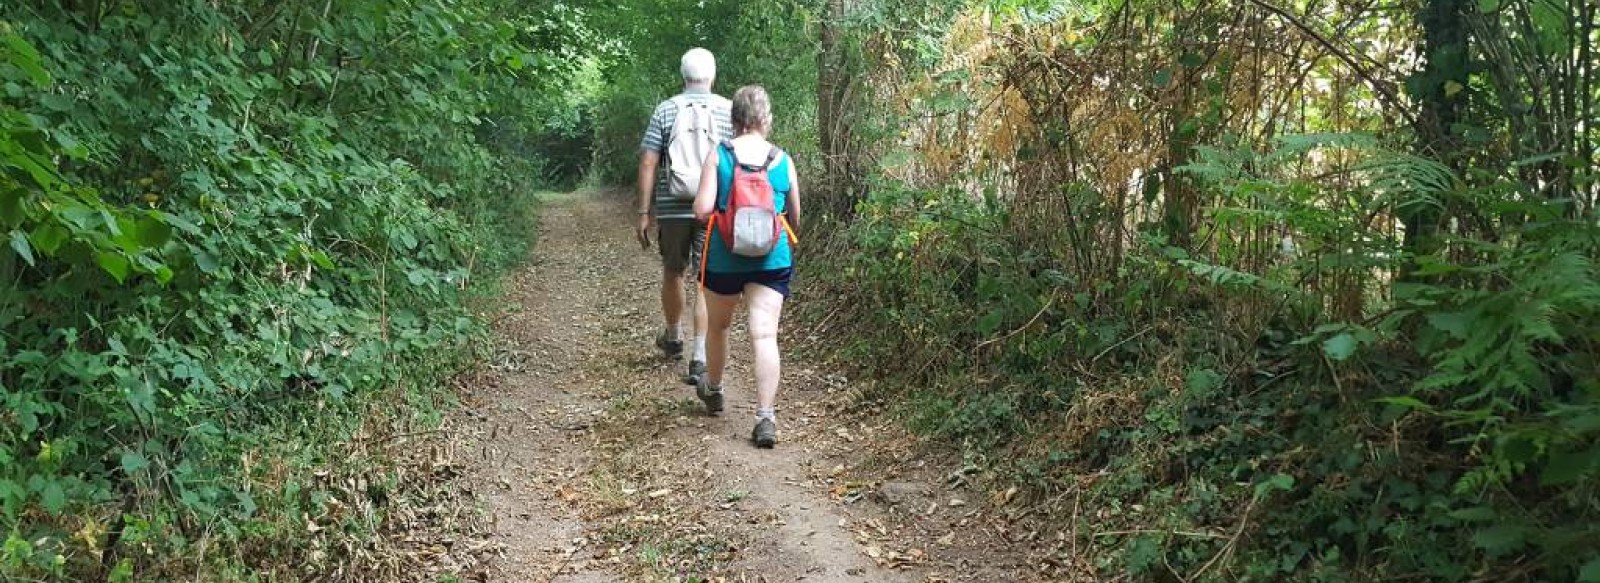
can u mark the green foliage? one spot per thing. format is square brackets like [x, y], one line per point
[231, 230]
[1451, 434]
[754, 43]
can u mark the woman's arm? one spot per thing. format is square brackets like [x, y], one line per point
[791, 206]
[706, 199]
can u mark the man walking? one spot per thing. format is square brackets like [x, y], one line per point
[683, 130]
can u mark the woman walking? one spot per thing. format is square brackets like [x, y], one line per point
[734, 272]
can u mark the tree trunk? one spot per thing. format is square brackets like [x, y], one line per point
[830, 85]
[1440, 91]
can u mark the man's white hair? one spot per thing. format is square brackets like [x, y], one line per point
[698, 66]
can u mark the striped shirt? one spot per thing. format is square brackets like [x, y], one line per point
[660, 130]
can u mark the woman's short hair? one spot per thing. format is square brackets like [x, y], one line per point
[698, 66]
[752, 109]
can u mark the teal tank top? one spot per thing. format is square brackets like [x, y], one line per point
[718, 258]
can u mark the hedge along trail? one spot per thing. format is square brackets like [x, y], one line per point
[232, 230]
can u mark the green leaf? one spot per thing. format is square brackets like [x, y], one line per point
[1474, 514]
[1202, 381]
[54, 498]
[991, 321]
[1501, 539]
[1162, 78]
[1340, 347]
[24, 57]
[11, 213]
[1488, 6]
[1590, 573]
[48, 237]
[133, 462]
[1566, 468]
[321, 259]
[1456, 324]
[1276, 482]
[206, 262]
[115, 264]
[153, 232]
[19, 243]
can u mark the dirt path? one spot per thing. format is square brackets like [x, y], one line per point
[596, 463]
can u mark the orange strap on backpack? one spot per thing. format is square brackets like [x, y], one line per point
[705, 249]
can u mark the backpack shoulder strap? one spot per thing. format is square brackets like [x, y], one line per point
[772, 157]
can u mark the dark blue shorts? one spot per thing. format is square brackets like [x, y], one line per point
[732, 284]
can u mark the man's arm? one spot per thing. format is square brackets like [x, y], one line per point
[649, 158]
[646, 186]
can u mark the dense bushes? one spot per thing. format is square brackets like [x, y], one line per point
[1109, 253]
[234, 228]
[1213, 398]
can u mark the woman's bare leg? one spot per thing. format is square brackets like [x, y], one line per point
[765, 306]
[719, 317]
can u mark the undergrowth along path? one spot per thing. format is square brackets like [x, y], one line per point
[595, 462]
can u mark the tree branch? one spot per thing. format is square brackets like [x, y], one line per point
[1384, 92]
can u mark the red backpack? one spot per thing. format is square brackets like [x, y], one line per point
[749, 221]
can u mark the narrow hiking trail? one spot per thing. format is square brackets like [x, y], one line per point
[596, 464]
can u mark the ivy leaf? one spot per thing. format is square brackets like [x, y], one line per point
[1340, 347]
[19, 243]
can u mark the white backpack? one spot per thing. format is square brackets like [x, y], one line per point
[694, 135]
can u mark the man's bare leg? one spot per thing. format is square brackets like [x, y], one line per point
[671, 310]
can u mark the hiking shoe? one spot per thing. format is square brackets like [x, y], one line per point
[672, 348]
[711, 396]
[697, 370]
[765, 434]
